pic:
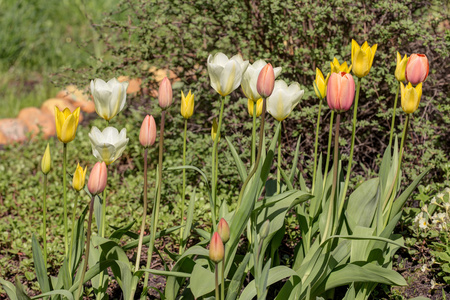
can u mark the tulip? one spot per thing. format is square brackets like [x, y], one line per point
[250, 78]
[108, 145]
[362, 58]
[266, 81]
[79, 178]
[259, 105]
[214, 130]
[66, 124]
[417, 68]
[321, 84]
[147, 134]
[338, 68]
[187, 105]
[283, 99]
[226, 74]
[46, 161]
[216, 248]
[264, 230]
[340, 91]
[109, 97]
[97, 178]
[410, 97]
[165, 93]
[401, 67]
[224, 230]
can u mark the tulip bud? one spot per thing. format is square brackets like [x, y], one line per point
[417, 68]
[264, 230]
[340, 91]
[214, 130]
[165, 93]
[79, 178]
[410, 97]
[401, 67]
[216, 248]
[46, 161]
[320, 86]
[187, 105]
[98, 178]
[147, 135]
[224, 230]
[266, 81]
[259, 105]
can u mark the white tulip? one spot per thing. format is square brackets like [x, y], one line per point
[109, 97]
[283, 99]
[226, 74]
[108, 145]
[250, 78]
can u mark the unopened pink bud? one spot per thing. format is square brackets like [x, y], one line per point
[224, 230]
[417, 68]
[147, 135]
[98, 178]
[266, 81]
[340, 91]
[165, 93]
[216, 248]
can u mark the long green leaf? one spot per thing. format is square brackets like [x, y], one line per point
[239, 164]
[40, 266]
[20, 291]
[64, 293]
[235, 285]
[9, 288]
[294, 161]
[190, 217]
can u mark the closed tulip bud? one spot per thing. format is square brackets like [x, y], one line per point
[338, 68]
[214, 130]
[401, 67]
[410, 97]
[79, 178]
[264, 231]
[216, 248]
[224, 230]
[187, 105]
[340, 91]
[362, 58]
[320, 86]
[147, 135]
[266, 81]
[259, 105]
[66, 124]
[250, 78]
[46, 161]
[417, 68]
[165, 93]
[98, 178]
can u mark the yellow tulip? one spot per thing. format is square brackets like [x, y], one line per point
[66, 124]
[214, 130]
[321, 84]
[338, 68]
[410, 97]
[401, 67]
[259, 105]
[187, 105]
[79, 177]
[46, 161]
[362, 58]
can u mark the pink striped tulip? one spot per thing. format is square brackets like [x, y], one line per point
[98, 178]
[147, 135]
[417, 68]
[340, 91]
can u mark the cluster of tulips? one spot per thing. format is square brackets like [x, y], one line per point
[264, 93]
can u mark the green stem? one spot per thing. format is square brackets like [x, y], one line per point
[44, 233]
[155, 212]
[88, 243]
[103, 214]
[72, 240]
[393, 115]
[330, 138]
[279, 164]
[350, 161]
[144, 214]
[183, 191]
[258, 157]
[254, 133]
[330, 214]
[316, 144]
[223, 277]
[66, 237]
[217, 281]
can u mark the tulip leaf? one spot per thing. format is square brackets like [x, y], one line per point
[235, 285]
[239, 164]
[202, 281]
[9, 288]
[40, 266]
[189, 218]
[119, 232]
[92, 272]
[64, 293]
[295, 161]
[20, 291]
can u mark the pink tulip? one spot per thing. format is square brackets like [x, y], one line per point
[98, 178]
[417, 68]
[216, 248]
[340, 91]
[266, 81]
[224, 230]
[165, 93]
[147, 135]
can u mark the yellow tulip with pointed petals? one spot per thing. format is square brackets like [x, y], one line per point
[321, 84]
[362, 58]
[187, 105]
[401, 67]
[66, 124]
[79, 178]
[410, 97]
[336, 67]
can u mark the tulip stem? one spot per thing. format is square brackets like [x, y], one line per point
[155, 212]
[66, 238]
[222, 290]
[217, 281]
[350, 161]
[103, 214]
[393, 115]
[330, 212]
[316, 143]
[183, 191]
[88, 243]
[44, 215]
[213, 166]
[330, 137]
[279, 163]
[144, 214]
[258, 157]
[72, 240]
[254, 133]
